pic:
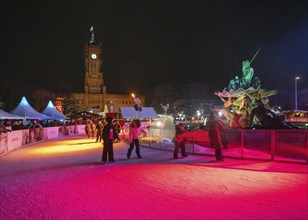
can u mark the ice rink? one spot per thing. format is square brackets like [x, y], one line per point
[64, 179]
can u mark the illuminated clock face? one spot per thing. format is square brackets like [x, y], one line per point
[93, 56]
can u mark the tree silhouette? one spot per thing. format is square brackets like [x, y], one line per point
[164, 95]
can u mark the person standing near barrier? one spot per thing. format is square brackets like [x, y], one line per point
[90, 129]
[179, 141]
[99, 131]
[38, 131]
[117, 128]
[108, 138]
[133, 136]
[214, 126]
[3, 129]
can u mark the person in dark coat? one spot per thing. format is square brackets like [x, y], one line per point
[214, 127]
[108, 138]
[99, 131]
[117, 128]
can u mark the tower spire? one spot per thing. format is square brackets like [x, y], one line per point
[92, 41]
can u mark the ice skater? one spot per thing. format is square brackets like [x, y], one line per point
[99, 131]
[133, 135]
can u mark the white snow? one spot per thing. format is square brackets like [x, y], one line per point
[64, 179]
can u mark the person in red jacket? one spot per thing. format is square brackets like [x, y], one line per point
[179, 141]
[214, 126]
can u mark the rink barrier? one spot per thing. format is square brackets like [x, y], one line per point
[20, 138]
[270, 145]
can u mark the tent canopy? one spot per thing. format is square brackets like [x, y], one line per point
[6, 115]
[131, 113]
[25, 110]
[52, 112]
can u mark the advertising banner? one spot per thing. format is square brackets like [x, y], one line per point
[52, 132]
[14, 140]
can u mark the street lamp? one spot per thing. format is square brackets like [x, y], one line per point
[198, 114]
[296, 78]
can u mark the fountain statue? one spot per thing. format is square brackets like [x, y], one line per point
[241, 96]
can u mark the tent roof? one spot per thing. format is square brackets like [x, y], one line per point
[25, 110]
[6, 115]
[52, 112]
[146, 113]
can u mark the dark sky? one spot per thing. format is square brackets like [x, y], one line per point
[150, 43]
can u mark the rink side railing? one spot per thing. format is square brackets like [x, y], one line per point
[271, 145]
[10, 141]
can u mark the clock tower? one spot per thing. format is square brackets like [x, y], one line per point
[94, 80]
[95, 97]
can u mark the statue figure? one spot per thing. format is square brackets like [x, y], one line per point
[256, 83]
[247, 72]
[261, 113]
[247, 79]
[267, 119]
[234, 83]
[247, 75]
[226, 110]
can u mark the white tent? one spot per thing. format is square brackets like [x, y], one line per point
[131, 113]
[25, 110]
[6, 115]
[52, 112]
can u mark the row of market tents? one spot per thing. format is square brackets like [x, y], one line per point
[24, 111]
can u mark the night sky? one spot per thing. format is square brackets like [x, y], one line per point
[151, 43]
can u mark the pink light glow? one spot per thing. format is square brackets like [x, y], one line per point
[74, 185]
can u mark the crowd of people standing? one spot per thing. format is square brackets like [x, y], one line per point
[107, 130]
[95, 129]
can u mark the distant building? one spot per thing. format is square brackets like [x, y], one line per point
[95, 97]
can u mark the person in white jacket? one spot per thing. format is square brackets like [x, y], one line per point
[133, 136]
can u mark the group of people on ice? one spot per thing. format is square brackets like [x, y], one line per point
[109, 135]
[213, 126]
[96, 129]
